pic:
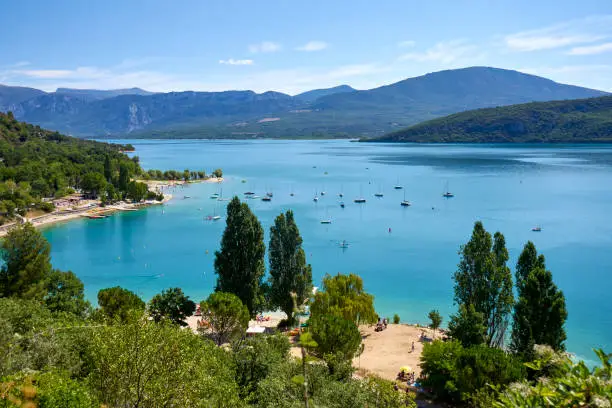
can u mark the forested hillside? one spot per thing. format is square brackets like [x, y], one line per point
[573, 121]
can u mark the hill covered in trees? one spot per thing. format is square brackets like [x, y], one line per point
[573, 121]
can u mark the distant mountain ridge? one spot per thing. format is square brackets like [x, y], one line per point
[311, 96]
[571, 121]
[333, 112]
[10, 96]
[102, 94]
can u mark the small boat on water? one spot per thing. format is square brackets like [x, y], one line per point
[342, 204]
[214, 196]
[405, 203]
[270, 194]
[266, 198]
[186, 197]
[398, 186]
[537, 229]
[326, 221]
[249, 193]
[360, 200]
[379, 195]
[254, 197]
[447, 193]
[343, 244]
[216, 217]
[95, 217]
[315, 199]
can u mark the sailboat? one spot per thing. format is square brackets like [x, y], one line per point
[267, 197]
[340, 194]
[447, 192]
[405, 203]
[326, 220]
[537, 229]
[379, 193]
[323, 192]
[221, 196]
[291, 194]
[316, 197]
[342, 204]
[343, 244]
[397, 186]
[360, 199]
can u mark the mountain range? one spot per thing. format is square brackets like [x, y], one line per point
[334, 112]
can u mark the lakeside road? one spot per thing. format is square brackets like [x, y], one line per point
[72, 214]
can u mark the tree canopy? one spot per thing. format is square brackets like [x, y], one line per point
[227, 317]
[239, 264]
[483, 281]
[117, 303]
[344, 296]
[290, 283]
[171, 304]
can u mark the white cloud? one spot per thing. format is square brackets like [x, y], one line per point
[445, 52]
[232, 61]
[46, 73]
[406, 44]
[265, 46]
[313, 46]
[580, 31]
[591, 49]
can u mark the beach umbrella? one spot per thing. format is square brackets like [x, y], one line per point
[406, 369]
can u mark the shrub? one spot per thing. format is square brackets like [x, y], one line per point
[396, 319]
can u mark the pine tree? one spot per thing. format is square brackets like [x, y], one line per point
[108, 169]
[540, 313]
[485, 282]
[239, 264]
[27, 263]
[290, 276]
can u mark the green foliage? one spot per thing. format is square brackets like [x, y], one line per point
[117, 303]
[65, 293]
[455, 374]
[290, 283]
[26, 263]
[338, 341]
[396, 319]
[226, 316]
[467, 326]
[567, 121]
[344, 296]
[137, 191]
[217, 173]
[254, 359]
[540, 313]
[484, 281]
[148, 364]
[93, 184]
[172, 304]
[239, 264]
[435, 318]
[578, 386]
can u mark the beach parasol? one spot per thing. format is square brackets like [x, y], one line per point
[406, 369]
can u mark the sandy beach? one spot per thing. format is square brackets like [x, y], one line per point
[92, 207]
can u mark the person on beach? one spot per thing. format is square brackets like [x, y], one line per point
[412, 351]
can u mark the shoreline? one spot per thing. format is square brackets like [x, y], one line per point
[60, 216]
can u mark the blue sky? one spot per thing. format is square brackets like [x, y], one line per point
[292, 46]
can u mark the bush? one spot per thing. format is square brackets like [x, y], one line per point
[338, 341]
[396, 319]
[456, 374]
[46, 207]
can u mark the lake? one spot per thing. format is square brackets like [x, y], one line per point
[405, 255]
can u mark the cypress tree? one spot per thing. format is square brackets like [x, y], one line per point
[239, 264]
[290, 276]
[540, 313]
[483, 281]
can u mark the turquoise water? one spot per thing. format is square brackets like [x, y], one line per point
[567, 190]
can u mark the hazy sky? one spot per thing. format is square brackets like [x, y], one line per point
[292, 46]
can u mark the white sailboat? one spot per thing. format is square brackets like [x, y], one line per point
[397, 185]
[405, 203]
[360, 199]
[447, 192]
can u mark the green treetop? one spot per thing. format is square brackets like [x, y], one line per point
[344, 296]
[172, 304]
[239, 264]
[27, 263]
[290, 276]
[119, 303]
[540, 313]
[484, 281]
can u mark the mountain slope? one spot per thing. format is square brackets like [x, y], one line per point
[101, 94]
[10, 96]
[573, 121]
[311, 96]
[241, 114]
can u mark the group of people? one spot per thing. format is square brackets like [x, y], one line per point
[409, 378]
[382, 324]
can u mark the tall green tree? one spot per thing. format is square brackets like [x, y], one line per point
[540, 313]
[26, 263]
[290, 276]
[467, 326]
[65, 293]
[124, 177]
[108, 169]
[119, 303]
[227, 317]
[93, 184]
[344, 296]
[239, 264]
[436, 320]
[337, 340]
[484, 281]
[172, 304]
